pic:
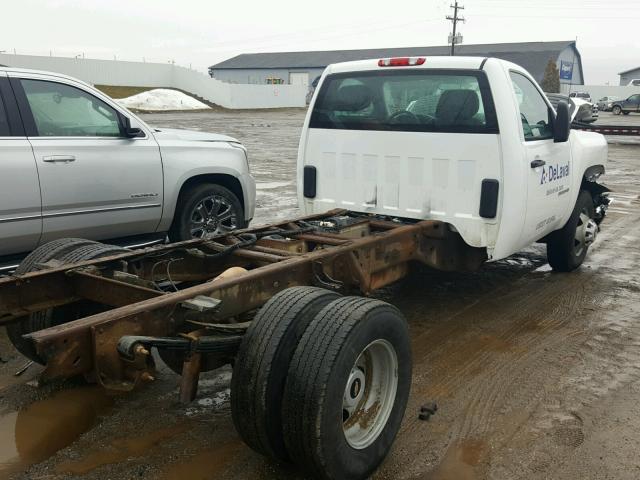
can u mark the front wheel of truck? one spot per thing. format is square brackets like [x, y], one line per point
[567, 247]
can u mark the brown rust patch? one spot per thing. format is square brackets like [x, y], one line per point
[363, 417]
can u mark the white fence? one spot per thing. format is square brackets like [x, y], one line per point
[140, 74]
[599, 91]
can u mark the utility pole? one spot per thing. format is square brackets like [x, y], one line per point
[455, 19]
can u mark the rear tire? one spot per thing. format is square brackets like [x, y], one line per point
[49, 251]
[221, 212]
[354, 357]
[567, 247]
[262, 364]
[65, 250]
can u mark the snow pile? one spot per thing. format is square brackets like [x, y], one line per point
[162, 99]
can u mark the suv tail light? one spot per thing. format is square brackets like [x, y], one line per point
[401, 61]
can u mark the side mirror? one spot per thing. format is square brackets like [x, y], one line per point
[562, 123]
[128, 130]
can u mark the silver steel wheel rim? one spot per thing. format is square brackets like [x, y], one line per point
[586, 232]
[213, 215]
[370, 394]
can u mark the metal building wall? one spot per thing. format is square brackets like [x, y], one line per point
[569, 55]
[627, 77]
[259, 76]
[140, 74]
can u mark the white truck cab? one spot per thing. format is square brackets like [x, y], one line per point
[472, 142]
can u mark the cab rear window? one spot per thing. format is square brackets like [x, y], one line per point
[415, 101]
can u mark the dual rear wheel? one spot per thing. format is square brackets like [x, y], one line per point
[323, 381]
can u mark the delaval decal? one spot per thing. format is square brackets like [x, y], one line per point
[551, 173]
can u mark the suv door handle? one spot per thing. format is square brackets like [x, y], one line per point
[59, 158]
[538, 162]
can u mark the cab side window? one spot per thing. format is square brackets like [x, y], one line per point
[61, 110]
[535, 114]
[4, 123]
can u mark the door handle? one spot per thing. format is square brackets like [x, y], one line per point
[538, 162]
[59, 158]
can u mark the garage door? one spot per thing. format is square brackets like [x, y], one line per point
[299, 79]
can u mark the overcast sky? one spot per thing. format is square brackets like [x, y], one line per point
[203, 32]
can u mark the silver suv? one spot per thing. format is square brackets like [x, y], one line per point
[75, 163]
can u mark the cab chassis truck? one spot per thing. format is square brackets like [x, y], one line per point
[321, 373]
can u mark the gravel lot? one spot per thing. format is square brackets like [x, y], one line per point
[537, 375]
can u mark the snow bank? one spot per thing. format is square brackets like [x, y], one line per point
[162, 99]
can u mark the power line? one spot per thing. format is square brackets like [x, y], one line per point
[455, 19]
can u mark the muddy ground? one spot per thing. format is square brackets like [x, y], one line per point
[536, 374]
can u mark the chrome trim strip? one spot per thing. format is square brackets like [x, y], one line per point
[83, 137]
[144, 244]
[101, 210]
[79, 212]
[8, 268]
[20, 219]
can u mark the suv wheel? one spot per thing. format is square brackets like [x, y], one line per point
[204, 211]
[617, 110]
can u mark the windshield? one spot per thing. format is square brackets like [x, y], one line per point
[406, 100]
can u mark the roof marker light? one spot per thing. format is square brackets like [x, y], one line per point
[401, 61]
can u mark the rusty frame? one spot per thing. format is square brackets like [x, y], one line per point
[89, 345]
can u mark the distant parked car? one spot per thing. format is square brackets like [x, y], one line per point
[580, 110]
[634, 83]
[606, 103]
[583, 95]
[75, 163]
[631, 104]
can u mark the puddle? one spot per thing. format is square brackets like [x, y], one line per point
[46, 426]
[122, 449]
[205, 465]
[461, 461]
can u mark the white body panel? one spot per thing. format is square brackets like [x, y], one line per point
[438, 176]
[401, 174]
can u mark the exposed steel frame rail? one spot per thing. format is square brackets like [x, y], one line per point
[89, 345]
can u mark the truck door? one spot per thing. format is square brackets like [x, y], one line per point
[95, 182]
[20, 214]
[549, 165]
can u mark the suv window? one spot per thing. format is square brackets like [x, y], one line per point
[534, 111]
[415, 101]
[634, 98]
[61, 110]
[4, 122]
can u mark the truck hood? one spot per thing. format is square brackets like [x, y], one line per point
[190, 135]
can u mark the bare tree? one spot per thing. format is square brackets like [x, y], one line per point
[551, 80]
